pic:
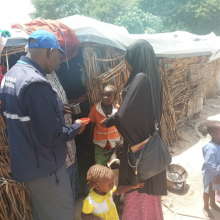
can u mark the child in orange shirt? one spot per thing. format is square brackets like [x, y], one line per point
[104, 139]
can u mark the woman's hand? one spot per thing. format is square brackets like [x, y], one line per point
[83, 98]
[103, 124]
[66, 109]
[140, 185]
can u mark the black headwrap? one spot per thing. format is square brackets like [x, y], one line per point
[136, 114]
[141, 57]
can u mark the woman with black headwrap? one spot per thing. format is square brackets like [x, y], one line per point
[135, 122]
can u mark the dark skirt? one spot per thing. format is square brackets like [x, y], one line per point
[156, 185]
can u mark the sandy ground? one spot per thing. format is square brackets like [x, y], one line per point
[187, 153]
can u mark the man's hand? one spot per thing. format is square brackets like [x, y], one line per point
[82, 124]
[103, 124]
[140, 185]
[66, 109]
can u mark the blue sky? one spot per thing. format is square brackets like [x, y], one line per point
[14, 11]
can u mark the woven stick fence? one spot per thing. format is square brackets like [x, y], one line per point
[103, 65]
[13, 50]
[184, 81]
[187, 79]
[15, 203]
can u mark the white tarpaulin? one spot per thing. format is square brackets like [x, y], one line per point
[174, 45]
[2, 44]
[18, 37]
[178, 44]
[215, 48]
[91, 30]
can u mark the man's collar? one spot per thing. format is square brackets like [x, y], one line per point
[33, 63]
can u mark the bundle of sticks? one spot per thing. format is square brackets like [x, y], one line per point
[13, 50]
[183, 80]
[15, 203]
[187, 79]
[103, 65]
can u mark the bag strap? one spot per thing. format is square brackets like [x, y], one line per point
[153, 105]
[136, 165]
[139, 159]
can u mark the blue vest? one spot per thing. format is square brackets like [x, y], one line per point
[29, 158]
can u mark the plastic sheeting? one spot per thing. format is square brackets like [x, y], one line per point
[176, 44]
[2, 44]
[91, 30]
[215, 48]
[217, 84]
[173, 45]
[18, 37]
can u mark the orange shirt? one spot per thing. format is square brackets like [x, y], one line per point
[103, 135]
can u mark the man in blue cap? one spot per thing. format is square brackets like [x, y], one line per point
[36, 130]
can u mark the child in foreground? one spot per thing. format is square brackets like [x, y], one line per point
[99, 204]
[104, 139]
[211, 168]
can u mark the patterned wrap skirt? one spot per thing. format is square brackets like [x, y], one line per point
[141, 206]
[74, 178]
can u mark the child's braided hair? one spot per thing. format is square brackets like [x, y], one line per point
[96, 173]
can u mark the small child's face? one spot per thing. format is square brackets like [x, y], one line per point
[108, 96]
[107, 184]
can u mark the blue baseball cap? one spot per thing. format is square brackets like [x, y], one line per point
[44, 39]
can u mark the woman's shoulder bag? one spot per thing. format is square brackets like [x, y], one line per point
[153, 158]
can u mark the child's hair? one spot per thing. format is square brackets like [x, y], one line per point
[113, 88]
[96, 173]
[212, 126]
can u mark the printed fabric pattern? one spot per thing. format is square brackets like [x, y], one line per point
[55, 83]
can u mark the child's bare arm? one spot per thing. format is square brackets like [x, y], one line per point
[90, 217]
[217, 180]
[124, 189]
